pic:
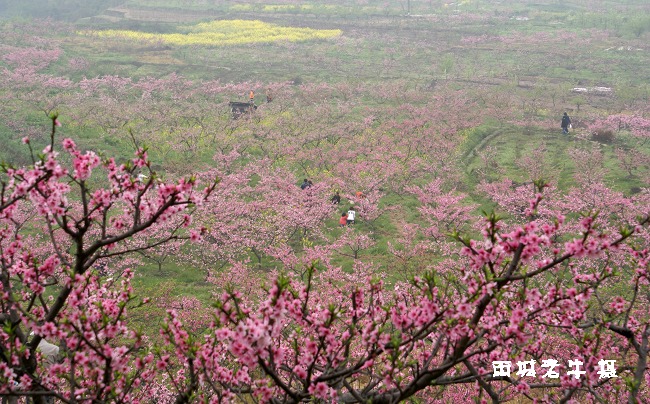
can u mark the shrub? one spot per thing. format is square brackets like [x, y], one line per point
[603, 136]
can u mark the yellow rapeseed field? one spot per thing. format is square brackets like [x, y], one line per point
[223, 32]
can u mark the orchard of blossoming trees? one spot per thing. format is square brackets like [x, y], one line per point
[549, 284]
[476, 269]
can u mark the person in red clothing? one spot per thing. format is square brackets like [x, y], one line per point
[251, 95]
[343, 220]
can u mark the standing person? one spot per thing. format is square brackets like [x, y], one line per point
[51, 355]
[343, 220]
[251, 96]
[351, 215]
[566, 122]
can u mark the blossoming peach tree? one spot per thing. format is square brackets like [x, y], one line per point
[50, 291]
[549, 307]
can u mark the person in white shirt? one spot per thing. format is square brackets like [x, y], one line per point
[351, 215]
[50, 351]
